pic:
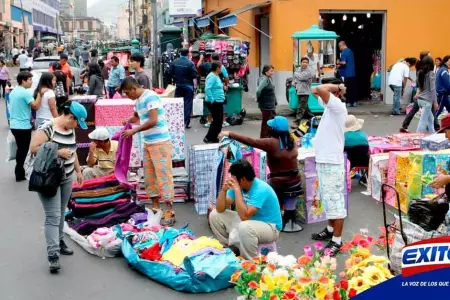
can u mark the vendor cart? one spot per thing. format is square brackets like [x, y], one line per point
[325, 41]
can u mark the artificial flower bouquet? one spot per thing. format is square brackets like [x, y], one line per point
[312, 276]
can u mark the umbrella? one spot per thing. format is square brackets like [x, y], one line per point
[48, 38]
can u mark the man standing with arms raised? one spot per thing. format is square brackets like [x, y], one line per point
[330, 162]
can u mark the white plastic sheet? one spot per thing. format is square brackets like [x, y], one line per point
[11, 147]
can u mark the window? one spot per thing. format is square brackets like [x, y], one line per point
[66, 26]
[89, 25]
[43, 19]
[81, 24]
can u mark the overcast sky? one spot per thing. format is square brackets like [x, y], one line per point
[96, 8]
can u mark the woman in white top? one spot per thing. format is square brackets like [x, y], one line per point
[47, 110]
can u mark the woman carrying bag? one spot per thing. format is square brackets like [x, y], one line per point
[60, 130]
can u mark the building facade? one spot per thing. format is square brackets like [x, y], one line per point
[269, 25]
[6, 39]
[45, 16]
[85, 28]
[22, 23]
[80, 8]
[123, 23]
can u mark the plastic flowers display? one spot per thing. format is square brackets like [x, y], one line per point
[313, 275]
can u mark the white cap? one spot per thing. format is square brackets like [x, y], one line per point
[99, 134]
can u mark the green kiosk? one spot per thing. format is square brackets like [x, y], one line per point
[325, 42]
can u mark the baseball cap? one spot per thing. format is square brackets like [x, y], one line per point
[445, 123]
[79, 113]
[279, 124]
[99, 134]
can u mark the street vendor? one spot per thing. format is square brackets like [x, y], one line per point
[281, 151]
[443, 180]
[102, 154]
[256, 206]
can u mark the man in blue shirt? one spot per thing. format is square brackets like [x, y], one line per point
[184, 73]
[348, 73]
[116, 76]
[257, 215]
[21, 101]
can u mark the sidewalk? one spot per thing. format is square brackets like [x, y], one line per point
[363, 108]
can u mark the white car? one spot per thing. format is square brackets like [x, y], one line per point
[42, 64]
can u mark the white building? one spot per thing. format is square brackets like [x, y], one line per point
[123, 28]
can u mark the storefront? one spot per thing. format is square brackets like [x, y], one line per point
[274, 22]
[22, 30]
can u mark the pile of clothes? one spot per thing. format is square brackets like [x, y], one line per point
[180, 260]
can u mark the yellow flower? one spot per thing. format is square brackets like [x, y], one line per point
[259, 293]
[267, 283]
[298, 288]
[373, 276]
[378, 259]
[385, 271]
[321, 293]
[287, 285]
[356, 283]
[363, 253]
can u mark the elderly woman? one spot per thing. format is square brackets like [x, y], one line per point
[267, 100]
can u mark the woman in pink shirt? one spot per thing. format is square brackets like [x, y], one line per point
[4, 77]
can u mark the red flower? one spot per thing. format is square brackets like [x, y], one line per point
[252, 268]
[364, 244]
[346, 247]
[357, 238]
[289, 295]
[252, 284]
[352, 293]
[336, 295]
[344, 284]
[274, 297]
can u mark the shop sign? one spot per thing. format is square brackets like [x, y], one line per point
[185, 8]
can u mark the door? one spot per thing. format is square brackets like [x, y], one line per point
[264, 42]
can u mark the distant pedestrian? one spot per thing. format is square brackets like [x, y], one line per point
[137, 63]
[348, 73]
[267, 100]
[215, 97]
[95, 81]
[23, 59]
[426, 95]
[85, 55]
[116, 76]
[5, 77]
[303, 78]
[184, 73]
[398, 78]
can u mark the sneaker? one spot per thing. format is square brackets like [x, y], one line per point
[168, 219]
[225, 124]
[324, 235]
[207, 125]
[404, 130]
[54, 265]
[334, 248]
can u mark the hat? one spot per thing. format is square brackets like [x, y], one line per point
[445, 123]
[279, 124]
[353, 124]
[99, 134]
[79, 113]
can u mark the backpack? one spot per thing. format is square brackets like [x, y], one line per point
[48, 171]
[60, 90]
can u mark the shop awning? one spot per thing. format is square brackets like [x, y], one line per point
[205, 20]
[231, 19]
[180, 23]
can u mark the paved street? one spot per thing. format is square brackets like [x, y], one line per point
[23, 268]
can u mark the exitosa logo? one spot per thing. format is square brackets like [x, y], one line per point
[427, 255]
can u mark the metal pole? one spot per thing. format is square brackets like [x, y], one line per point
[129, 19]
[135, 20]
[185, 33]
[25, 27]
[154, 44]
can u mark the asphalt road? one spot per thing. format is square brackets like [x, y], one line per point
[23, 267]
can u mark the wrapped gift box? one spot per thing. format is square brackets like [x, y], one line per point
[111, 112]
[378, 168]
[174, 110]
[135, 158]
[436, 164]
[88, 101]
[434, 142]
[406, 139]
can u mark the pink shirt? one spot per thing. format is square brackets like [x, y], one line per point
[4, 73]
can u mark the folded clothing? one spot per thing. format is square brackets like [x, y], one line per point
[81, 210]
[99, 192]
[93, 182]
[104, 198]
[120, 215]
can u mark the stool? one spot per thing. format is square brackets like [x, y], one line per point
[290, 218]
[265, 249]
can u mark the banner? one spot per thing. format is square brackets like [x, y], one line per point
[185, 8]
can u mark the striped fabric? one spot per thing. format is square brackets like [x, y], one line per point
[148, 101]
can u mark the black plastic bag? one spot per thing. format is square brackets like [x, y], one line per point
[428, 214]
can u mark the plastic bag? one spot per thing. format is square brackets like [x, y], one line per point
[233, 238]
[11, 147]
[153, 218]
[28, 165]
[198, 106]
[427, 214]
[113, 249]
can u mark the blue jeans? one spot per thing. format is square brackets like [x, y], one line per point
[187, 93]
[111, 91]
[426, 122]
[397, 96]
[445, 102]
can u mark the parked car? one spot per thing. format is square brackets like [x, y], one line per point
[41, 64]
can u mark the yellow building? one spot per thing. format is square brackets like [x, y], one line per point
[378, 31]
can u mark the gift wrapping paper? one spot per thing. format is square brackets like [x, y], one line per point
[378, 167]
[436, 164]
[174, 111]
[136, 149]
[111, 112]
